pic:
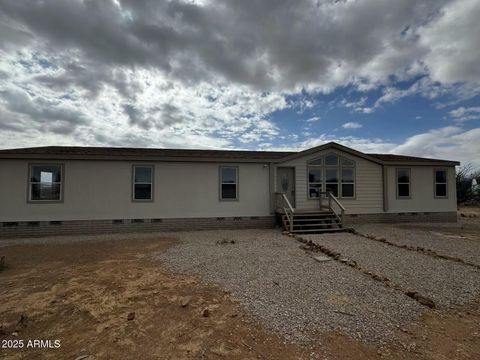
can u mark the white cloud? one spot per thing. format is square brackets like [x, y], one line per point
[357, 105]
[313, 119]
[449, 143]
[352, 125]
[452, 43]
[464, 114]
[210, 73]
[161, 113]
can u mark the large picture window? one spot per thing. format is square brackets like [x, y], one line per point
[45, 183]
[403, 183]
[331, 181]
[228, 183]
[315, 182]
[142, 183]
[440, 183]
[333, 173]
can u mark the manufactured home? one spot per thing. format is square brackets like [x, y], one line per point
[58, 190]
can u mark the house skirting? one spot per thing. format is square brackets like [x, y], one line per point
[80, 227]
[403, 217]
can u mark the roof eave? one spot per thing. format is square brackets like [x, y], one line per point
[421, 163]
[134, 158]
[328, 146]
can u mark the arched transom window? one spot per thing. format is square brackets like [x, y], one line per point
[332, 173]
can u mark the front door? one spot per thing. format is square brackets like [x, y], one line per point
[286, 182]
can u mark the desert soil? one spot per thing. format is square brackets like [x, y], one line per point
[83, 293]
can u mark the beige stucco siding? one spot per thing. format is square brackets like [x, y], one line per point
[422, 190]
[96, 190]
[368, 184]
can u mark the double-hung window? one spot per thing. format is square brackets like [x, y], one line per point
[440, 183]
[348, 183]
[228, 183]
[45, 182]
[142, 183]
[403, 183]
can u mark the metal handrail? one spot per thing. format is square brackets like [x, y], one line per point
[286, 201]
[288, 210]
[331, 198]
[336, 201]
[290, 219]
[292, 211]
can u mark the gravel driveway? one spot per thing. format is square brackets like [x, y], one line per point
[286, 289]
[441, 242]
[446, 282]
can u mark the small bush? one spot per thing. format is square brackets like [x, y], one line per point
[466, 194]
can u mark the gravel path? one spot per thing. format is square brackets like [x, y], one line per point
[287, 290]
[446, 282]
[443, 243]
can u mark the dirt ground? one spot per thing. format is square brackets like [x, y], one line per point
[83, 293]
[468, 221]
[469, 211]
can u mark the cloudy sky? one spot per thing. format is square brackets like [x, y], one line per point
[380, 76]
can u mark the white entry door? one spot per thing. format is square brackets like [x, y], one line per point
[286, 182]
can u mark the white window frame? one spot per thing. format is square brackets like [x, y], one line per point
[315, 167]
[353, 182]
[220, 175]
[30, 183]
[409, 183]
[339, 167]
[435, 183]
[151, 183]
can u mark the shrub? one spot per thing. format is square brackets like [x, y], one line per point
[464, 178]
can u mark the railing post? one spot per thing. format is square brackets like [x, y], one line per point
[330, 201]
[291, 223]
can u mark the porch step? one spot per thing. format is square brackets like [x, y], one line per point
[319, 231]
[312, 214]
[320, 218]
[314, 225]
[312, 222]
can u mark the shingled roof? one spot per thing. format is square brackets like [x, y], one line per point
[405, 158]
[117, 153]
